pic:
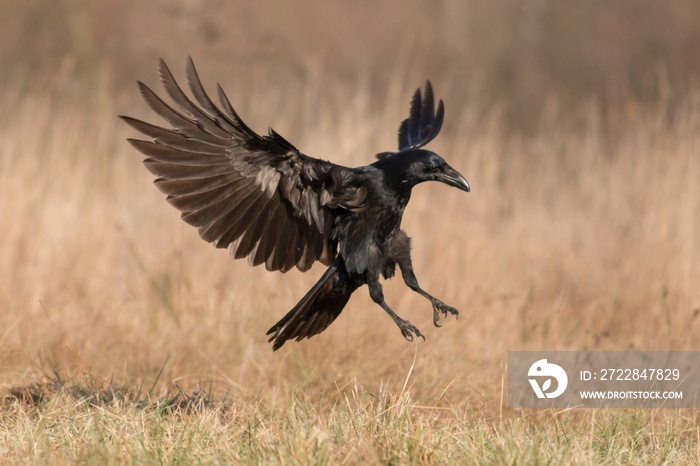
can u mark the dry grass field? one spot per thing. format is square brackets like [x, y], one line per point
[125, 338]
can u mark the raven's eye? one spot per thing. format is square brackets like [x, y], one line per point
[433, 168]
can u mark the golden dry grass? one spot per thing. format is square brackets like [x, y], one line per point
[580, 236]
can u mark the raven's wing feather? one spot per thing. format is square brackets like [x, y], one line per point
[423, 122]
[256, 194]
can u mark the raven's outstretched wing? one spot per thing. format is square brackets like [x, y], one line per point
[423, 123]
[257, 194]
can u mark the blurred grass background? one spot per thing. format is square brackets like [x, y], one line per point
[576, 123]
[515, 53]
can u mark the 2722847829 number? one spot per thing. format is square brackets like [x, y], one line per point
[639, 374]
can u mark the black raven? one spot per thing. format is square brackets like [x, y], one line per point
[274, 205]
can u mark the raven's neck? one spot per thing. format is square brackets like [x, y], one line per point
[396, 178]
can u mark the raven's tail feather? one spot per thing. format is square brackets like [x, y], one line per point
[317, 309]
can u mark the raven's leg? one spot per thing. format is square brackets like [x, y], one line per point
[401, 250]
[377, 295]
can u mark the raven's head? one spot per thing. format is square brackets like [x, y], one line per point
[418, 165]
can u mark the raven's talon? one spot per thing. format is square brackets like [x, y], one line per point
[408, 330]
[436, 317]
[439, 306]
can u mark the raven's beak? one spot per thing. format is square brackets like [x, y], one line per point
[452, 177]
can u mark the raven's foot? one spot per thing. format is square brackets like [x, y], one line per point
[438, 307]
[408, 330]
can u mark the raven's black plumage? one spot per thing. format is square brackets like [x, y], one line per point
[265, 200]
